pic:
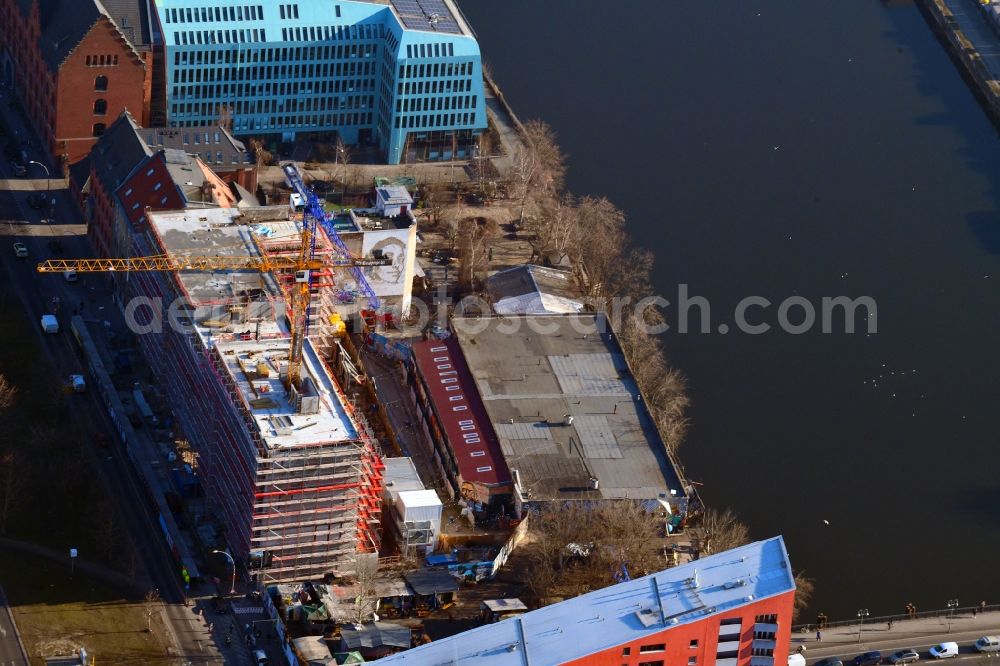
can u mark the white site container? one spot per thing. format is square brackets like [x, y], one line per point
[420, 505]
[50, 324]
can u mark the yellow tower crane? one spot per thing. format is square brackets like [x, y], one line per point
[299, 295]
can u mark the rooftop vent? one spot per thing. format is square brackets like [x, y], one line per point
[733, 584]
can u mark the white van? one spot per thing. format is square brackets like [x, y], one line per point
[260, 658]
[50, 324]
[988, 644]
[70, 276]
[796, 659]
[944, 650]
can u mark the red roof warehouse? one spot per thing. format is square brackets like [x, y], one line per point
[465, 445]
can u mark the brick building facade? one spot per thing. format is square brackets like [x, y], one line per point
[76, 65]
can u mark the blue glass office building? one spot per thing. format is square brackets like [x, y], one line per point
[402, 75]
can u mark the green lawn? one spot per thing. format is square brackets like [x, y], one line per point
[56, 614]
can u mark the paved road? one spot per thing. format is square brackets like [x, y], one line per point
[918, 634]
[977, 29]
[11, 651]
[89, 414]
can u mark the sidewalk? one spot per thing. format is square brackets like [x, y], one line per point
[962, 627]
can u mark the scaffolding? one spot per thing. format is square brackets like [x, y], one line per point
[294, 472]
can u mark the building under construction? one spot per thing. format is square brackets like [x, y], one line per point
[290, 468]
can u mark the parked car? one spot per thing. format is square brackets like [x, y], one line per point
[872, 658]
[36, 200]
[944, 650]
[220, 605]
[260, 658]
[796, 659]
[829, 661]
[988, 644]
[903, 657]
[70, 276]
[20, 250]
[55, 247]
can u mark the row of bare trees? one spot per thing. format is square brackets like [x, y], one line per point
[580, 547]
[590, 233]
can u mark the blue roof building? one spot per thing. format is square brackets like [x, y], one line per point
[402, 75]
[729, 609]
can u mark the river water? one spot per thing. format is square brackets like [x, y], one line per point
[781, 148]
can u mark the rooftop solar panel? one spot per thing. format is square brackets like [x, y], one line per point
[432, 15]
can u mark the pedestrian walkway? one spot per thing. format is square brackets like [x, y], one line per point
[11, 648]
[964, 626]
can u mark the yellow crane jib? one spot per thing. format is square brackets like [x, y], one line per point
[174, 263]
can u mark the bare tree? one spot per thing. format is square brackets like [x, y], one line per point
[107, 529]
[538, 166]
[577, 548]
[524, 166]
[150, 603]
[475, 235]
[8, 392]
[261, 153]
[722, 530]
[557, 230]
[434, 204]
[367, 575]
[225, 117]
[601, 219]
[664, 387]
[551, 160]
[804, 588]
[342, 159]
[15, 481]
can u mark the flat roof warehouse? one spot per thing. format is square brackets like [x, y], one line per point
[566, 409]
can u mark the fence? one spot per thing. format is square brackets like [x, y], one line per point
[901, 617]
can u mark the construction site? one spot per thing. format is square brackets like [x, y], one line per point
[242, 343]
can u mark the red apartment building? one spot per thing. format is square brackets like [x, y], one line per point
[76, 65]
[729, 609]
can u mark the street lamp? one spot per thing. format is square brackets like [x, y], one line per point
[952, 605]
[232, 587]
[862, 614]
[48, 185]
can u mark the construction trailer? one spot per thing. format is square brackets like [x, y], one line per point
[291, 470]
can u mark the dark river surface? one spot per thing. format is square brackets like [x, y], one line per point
[817, 149]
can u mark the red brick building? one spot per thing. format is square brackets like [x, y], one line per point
[132, 168]
[76, 65]
[729, 609]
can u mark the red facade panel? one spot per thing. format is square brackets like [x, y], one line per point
[696, 643]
